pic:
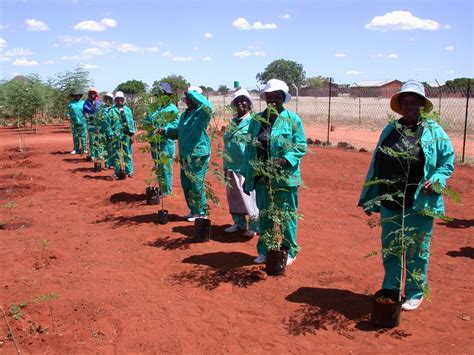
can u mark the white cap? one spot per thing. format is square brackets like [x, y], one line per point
[276, 85]
[119, 94]
[242, 92]
[195, 88]
[109, 94]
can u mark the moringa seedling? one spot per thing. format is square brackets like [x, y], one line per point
[10, 206]
[48, 298]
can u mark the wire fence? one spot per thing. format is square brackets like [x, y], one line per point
[356, 115]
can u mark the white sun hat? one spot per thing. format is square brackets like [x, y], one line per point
[242, 92]
[276, 85]
[109, 94]
[195, 88]
[119, 94]
[413, 87]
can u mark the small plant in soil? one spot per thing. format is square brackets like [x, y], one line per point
[47, 298]
[15, 310]
[44, 245]
[10, 206]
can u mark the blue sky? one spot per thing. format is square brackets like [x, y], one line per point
[216, 42]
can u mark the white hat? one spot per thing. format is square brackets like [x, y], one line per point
[242, 92]
[195, 88]
[109, 94]
[414, 87]
[119, 94]
[276, 85]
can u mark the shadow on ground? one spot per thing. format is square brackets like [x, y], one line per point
[458, 223]
[212, 270]
[464, 252]
[217, 233]
[126, 197]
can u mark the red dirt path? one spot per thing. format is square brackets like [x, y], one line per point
[127, 284]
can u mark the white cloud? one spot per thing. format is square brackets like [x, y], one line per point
[242, 54]
[450, 72]
[88, 66]
[286, 16]
[50, 62]
[449, 48]
[101, 44]
[24, 62]
[18, 52]
[3, 44]
[36, 25]
[206, 59]
[195, 48]
[4, 27]
[340, 55]
[447, 27]
[93, 52]
[390, 56]
[182, 59]
[242, 24]
[412, 39]
[70, 57]
[5, 59]
[152, 49]
[259, 54]
[401, 21]
[68, 41]
[91, 25]
[353, 72]
[55, 45]
[129, 48]
[167, 54]
[208, 35]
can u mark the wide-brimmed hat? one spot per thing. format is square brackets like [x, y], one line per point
[195, 88]
[109, 94]
[277, 85]
[76, 92]
[166, 88]
[93, 90]
[242, 92]
[119, 94]
[414, 87]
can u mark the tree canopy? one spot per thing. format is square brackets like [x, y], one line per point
[317, 82]
[460, 83]
[132, 87]
[177, 82]
[286, 70]
[223, 89]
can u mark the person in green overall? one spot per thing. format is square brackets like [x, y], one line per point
[420, 179]
[162, 148]
[90, 110]
[78, 123]
[194, 148]
[235, 140]
[121, 131]
[279, 143]
[103, 121]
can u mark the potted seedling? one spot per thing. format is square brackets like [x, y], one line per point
[386, 303]
[162, 214]
[152, 192]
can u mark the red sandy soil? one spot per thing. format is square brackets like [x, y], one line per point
[121, 283]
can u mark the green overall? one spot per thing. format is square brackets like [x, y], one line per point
[120, 131]
[78, 125]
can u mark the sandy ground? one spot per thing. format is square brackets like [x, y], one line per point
[99, 275]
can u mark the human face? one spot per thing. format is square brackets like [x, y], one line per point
[107, 100]
[276, 99]
[119, 102]
[242, 105]
[410, 105]
[76, 97]
[190, 103]
[92, 95]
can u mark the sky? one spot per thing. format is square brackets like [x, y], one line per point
[218, 42]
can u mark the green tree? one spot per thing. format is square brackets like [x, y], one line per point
[176, 81]
[459, 84]
[64, 84]
[287, 70]
[132, 87]
[318, 82]
[223, 89]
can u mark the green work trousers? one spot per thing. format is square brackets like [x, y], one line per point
[79, 136]
[418, 233]
[163, 155]
[287, 199]
[193, 176]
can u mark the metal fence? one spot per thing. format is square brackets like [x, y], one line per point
[357, 116]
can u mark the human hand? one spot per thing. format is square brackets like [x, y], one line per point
[427, 187]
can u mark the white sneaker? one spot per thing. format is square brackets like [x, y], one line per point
[233, 228]
[192, 218]
[250, 233]
[290, 260]
[73, 152]
[261, 259]
[412, 304]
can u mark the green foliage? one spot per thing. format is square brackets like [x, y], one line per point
[132, 87]
[223, 90]
[287, 70]
[47, 297]
[15, 310]
[177, 82]
[460, 84]
[318, 82]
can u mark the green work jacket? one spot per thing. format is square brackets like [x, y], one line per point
[235, 140]
[74, 112]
